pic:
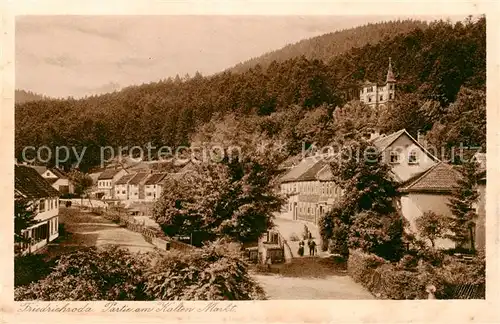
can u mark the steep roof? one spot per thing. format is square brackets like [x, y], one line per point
[30, 184]
[294, 173]
[60, 174]
[108, 174]
[155, 178]
[39, 168]
[441, 177]
[125, 179]
[384, 141]
[140, 176]
[311, 173]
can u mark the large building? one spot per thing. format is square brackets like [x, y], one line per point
[57, 178]
[39, 195]
[378, 95]
[312, 191]
[426, 184]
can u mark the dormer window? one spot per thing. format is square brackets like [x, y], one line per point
[412, 157]
[395, 157]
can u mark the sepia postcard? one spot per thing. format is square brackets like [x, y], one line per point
[281, 162]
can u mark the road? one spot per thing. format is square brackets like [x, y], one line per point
[87, 229]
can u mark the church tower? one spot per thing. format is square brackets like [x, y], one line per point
[390, 83]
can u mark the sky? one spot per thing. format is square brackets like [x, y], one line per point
[61, 56]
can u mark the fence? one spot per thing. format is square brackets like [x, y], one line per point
[151, 235]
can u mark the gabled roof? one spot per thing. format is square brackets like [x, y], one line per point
[384, 141]
[294, 173]
[58, 173]
[311, 173]
[441, 177]
[109, 174]
[125, 179]
[30, 184]
[39, 168]
[155, 178]
[140, 176]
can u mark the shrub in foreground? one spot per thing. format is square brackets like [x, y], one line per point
[210, 273]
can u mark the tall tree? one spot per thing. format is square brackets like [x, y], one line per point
[462, 205]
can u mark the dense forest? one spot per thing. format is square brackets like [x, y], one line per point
[22, 96]
[327, 46]
[440, 69]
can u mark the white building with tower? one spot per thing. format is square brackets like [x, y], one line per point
[376, 95]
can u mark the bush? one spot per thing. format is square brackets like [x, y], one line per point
[408, 278]
[30, 268]
[91, 274]
[212, 273]
[294, 237]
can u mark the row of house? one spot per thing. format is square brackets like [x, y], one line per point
[425, 182]
[140, 181]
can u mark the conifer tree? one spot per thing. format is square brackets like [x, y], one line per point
[462, 201]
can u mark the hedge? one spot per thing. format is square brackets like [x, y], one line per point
[409, 278]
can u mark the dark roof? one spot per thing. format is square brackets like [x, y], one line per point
[39, 168]
[108, 174]
[441, 177]
[138, 178]
[311, 173]
[30, 184]
[155, 178]
[60, 174]
[295, 172]
[125, 179]
[51, 180]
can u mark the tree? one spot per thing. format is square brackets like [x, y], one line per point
[232, 198]
[462, 205]
[82, 183]
[431, 226]
[366, 216]
[24, 217]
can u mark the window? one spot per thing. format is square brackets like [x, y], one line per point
[381, 98]
[369, 99]
[42, 205]
[123, 192]
[370, 89]
[391, 86]
[412, 157]
[390, 95]
[394, 157]
[148, 194]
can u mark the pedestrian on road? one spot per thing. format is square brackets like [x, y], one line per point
[269, 262]
[313, 247]
[301, 248]
[309, 244]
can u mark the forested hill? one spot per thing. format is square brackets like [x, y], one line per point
[22, 96]
[431, 64]
[327, 46]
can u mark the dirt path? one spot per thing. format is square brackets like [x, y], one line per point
[86, 229]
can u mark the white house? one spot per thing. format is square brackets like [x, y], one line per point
[121, 187]
[153, 186]
[136, 186]
[56, 178]
[33, 188]
[106, 181]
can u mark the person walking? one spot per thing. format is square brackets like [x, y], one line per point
[301, 248]
[309, 244]
[313, 247]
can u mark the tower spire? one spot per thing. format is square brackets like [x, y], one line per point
[390, 75]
